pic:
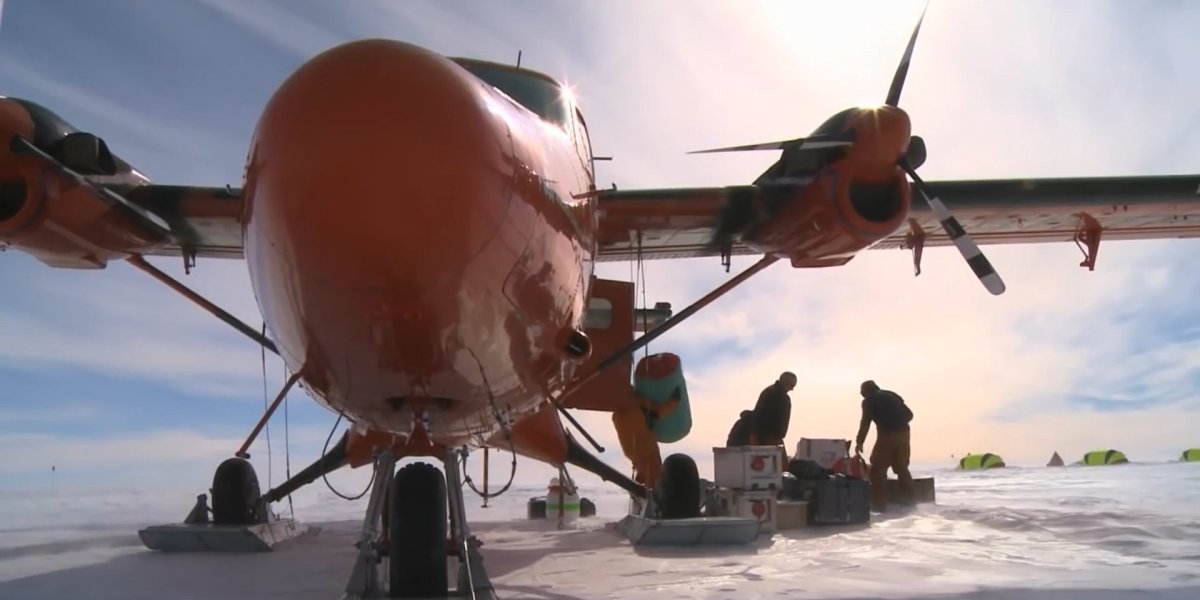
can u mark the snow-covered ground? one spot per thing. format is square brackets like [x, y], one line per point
[1128, 531]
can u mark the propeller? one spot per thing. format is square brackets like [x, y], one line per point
[816, 142]
[914, 157]
[741, 211]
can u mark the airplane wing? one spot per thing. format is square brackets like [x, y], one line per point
[206, 221]
[692, 222]
[682, 222]
[1024, 211]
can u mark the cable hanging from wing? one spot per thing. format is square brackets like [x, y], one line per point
[641, 283]
[287, 446]
[266, 407]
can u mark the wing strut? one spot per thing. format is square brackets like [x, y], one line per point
[649, 336]
[138, 261]
[241, 453]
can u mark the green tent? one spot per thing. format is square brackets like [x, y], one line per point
[1104, 457]
[1191, 455]
[987, 460]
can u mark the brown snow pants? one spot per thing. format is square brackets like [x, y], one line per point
[891, 450]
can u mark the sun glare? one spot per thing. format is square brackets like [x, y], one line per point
[813, 31]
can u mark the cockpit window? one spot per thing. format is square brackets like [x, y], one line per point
[535, 92]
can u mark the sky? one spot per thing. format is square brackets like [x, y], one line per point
[114, 380]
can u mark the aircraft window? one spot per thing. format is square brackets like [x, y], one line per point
[531, 91]
[599, 314]
[581, 137]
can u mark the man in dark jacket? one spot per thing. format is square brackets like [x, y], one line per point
[739, 435]
[773, 412]
[892, 445]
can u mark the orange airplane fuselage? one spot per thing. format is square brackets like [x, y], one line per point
[413, 241]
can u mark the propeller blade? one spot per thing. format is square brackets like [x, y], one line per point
[817, 142]
[893, 97]
[970, 251]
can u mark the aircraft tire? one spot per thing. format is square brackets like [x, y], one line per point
[235, 494]
[417, 526]
[679, 488]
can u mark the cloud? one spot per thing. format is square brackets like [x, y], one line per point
[57, 414]
[86, 109]
[118, 459]
[278, 24]
[25, 450]
[71, 319]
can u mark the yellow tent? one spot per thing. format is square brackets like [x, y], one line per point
[987, 460]
[1104, 457]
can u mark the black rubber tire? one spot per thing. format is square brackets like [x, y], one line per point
[587, 508]
[235, 494]
[679, 488]
[417, 533]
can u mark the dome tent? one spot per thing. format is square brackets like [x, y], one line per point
[1190, 455]
[974, 462]
[1104, 457]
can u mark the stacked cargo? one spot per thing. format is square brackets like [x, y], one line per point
[824, 452]
[747, 480]
[837, 499]
[822, 485]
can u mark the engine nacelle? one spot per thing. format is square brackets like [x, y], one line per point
[48, 213]
[834, 218]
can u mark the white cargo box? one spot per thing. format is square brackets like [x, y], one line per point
[748, 467]
[760, 505]
[822, 452]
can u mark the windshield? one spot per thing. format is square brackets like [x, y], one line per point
[533, 91]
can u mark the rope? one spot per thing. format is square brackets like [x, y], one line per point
[641, 269]
[503, 428]
[287, 446]
[266, 406]
[374, 468]
[511, 475]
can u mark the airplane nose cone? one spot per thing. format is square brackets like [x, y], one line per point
[377, 160]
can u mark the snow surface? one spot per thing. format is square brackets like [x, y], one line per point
[1127, 531]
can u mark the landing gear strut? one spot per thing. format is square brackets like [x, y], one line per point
[420, 502]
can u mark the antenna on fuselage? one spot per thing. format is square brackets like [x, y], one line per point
[518, 54]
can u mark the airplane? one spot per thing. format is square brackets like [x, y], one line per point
[421, 232]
